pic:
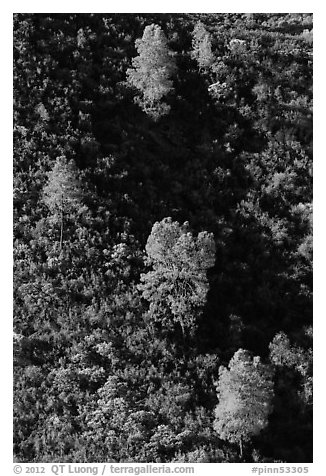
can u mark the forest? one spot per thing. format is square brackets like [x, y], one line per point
[163, 237]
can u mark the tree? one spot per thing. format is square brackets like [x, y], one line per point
[202, 46]
[178, 281]
[62, 193]
[245, 392]
[282, 354]
[151, 71]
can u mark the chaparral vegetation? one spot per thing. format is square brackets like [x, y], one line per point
[163, 237]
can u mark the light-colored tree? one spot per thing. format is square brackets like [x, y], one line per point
[245, 392]
[62, 193]
[202, 47]
[177, 284]
[151, 71]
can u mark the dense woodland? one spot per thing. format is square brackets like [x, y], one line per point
[163, 237]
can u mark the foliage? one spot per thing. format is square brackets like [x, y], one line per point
[178, 281]
[120, 325]
[245, 392]
[282, 354]
[151, 71]
[202, 47]
[62, 192]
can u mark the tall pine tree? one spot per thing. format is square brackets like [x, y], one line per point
[245, 392]
[177, 285]
[151, 72]
[62, 194]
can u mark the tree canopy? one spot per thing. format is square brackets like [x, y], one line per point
[178, 281]
[202, 46]
[152, 70]
[245, 393]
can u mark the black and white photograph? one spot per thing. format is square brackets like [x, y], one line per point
[163, 238]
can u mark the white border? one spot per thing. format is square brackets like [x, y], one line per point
[60, 6]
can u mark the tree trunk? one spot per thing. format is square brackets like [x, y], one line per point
[183, 331]
[61, 230]
[241, 448]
